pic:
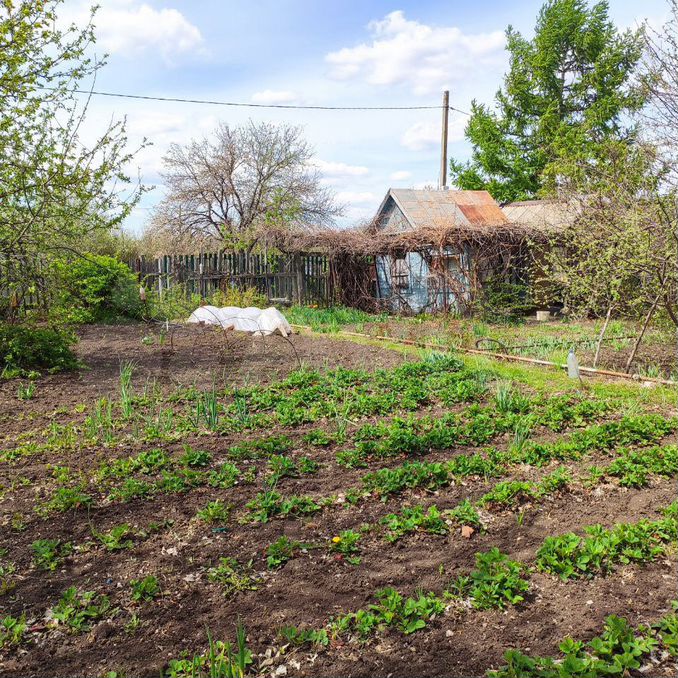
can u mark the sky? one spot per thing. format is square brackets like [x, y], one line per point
[311, 52]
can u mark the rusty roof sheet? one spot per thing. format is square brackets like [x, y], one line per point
[426, 208]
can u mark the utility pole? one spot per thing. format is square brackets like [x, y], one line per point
[443, 141]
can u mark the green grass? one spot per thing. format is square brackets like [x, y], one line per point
[330, 319]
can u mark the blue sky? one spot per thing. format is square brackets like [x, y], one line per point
[341, 52]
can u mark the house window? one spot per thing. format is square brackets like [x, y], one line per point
[400, 273]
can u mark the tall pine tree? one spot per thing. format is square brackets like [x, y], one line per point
[568, 89]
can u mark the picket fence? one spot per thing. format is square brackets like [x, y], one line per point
[291, 278]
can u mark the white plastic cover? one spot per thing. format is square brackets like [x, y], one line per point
[251, 319]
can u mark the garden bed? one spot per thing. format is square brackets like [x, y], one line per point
[215, 482]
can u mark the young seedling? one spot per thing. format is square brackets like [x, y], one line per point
[233, 577]
[48, 554]
[79, 610]
[346, 544]
[280, 551]
[145, 589]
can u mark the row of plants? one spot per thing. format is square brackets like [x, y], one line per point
[77, 611]
[340, 394]
[497, 582]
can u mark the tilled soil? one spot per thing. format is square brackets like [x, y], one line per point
[315, 585]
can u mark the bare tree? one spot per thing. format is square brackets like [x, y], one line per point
[246, 178]
[660, 76]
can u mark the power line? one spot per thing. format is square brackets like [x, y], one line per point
[251, 105]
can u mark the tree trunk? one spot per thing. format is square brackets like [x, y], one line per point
[648, 317]
[602, 334]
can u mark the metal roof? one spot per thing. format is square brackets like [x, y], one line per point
[426, 208]
[545, 215]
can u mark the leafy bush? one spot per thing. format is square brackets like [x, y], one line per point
[24, 347]
[502, 301]
[233, 296]
[96, 288]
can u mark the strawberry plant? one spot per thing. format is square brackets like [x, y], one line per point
[465, 514]
[280, 551]
[617, 651]
[79, 610]
[116, 539]
[412, 519]
[346, 544]
[12, 631]
[496, 581]
[214, 512]
[48, 554]
[300, 637]
[147, 588]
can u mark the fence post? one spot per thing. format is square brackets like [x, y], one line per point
[298, 269]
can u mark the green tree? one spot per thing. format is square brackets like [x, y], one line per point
[54, 189]
[567, 90]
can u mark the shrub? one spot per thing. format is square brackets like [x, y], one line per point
[233, 296]
[24, 347]
[502, 301]
[96, 288]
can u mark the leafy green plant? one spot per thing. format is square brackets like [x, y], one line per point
[25, 347]
[496, 581]
[48, 554]
[67, 498]
[147, 588]
[78, 610]
[117, 538]
[299, 637]
[214, 512]
[232, 576]
[220, 661]
[617, 651]
[392, 610]
[270, 503]
[465, 514]
[280, 551]
[346, 544]
[572, 556]
[195, 458]
[12, 631]
[412, 519]
[319, 438]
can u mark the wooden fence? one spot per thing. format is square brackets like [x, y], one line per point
[295, 278]
[23, 285]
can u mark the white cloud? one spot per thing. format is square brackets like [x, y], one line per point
[425, 135]
[269, 96]
[426, 58]
[400, 175]
[336, 170]
[129, 28]
[357, 197]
